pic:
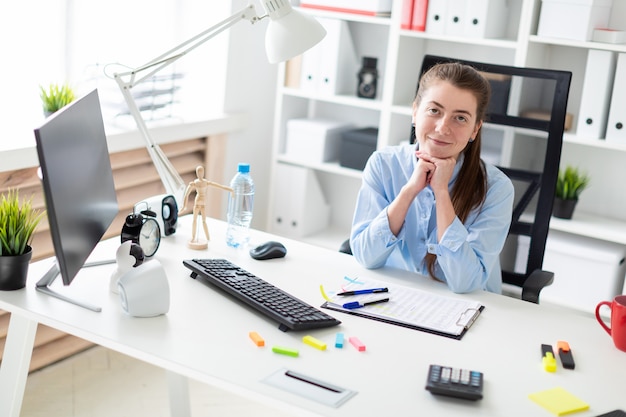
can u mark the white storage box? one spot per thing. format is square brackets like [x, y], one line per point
[607, 35]
[314, 140]
[573, 19]
[586, 270]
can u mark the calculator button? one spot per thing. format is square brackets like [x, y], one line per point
[435, 373]
[445, 375]
[455, 376]
[475, 379]
[465, 377]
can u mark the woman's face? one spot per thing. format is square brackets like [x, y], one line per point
[445, 120]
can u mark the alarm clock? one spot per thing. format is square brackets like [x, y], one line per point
[166, 210]
[142, 229]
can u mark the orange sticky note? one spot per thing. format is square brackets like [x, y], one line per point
[257, 339]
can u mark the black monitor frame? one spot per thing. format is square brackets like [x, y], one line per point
[77, 179]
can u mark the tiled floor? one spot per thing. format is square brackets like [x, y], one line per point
[103, 383]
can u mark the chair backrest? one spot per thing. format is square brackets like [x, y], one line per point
[526, 114]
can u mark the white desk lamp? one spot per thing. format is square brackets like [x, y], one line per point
[289, 33]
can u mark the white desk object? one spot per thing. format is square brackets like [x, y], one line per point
[204, 336]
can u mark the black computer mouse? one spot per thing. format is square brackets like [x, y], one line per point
[268, 250]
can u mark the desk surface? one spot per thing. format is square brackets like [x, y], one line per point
[205, 336]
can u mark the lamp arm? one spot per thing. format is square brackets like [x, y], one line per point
[170, 178]
[169, 57]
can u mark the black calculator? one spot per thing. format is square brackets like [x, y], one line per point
[455, 382]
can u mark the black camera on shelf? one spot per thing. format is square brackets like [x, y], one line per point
[368, 76]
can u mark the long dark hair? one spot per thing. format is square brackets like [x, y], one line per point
[470, 188]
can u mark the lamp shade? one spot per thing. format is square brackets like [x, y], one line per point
[289, 32]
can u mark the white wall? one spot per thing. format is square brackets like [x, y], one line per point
[251, 89]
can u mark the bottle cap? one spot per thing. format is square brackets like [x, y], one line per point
[243, 168]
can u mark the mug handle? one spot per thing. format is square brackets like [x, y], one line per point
[602, 323]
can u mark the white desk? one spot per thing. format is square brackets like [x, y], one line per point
[205, 337]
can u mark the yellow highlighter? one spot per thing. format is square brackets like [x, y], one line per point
[548, 359]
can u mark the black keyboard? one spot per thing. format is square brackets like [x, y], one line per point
[287, 310]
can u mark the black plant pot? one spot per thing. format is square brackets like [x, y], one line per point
[564, 209]
[14, 270]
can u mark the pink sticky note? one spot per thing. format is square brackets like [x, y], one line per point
[354, 341]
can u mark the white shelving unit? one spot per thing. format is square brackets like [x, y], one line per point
[600, 213]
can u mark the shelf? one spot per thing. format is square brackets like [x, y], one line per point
[593, 226]
[616, 47]
[594, 143]
[402, 110]
[494, 43]
[344, 99]
[330, 167]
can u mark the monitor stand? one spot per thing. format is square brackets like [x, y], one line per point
[43, 285]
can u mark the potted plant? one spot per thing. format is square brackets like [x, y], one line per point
[570, 183]
[17, 225]
[56, 97]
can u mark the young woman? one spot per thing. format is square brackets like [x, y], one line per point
[436, 208]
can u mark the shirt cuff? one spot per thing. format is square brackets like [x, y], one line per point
[383, 232]
[452, 239]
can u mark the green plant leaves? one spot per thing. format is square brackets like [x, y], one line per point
[570, 183]
[17, 223]
[56, 97]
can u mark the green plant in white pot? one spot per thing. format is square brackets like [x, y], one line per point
[17, 226]
[55, 97]
[569, 184]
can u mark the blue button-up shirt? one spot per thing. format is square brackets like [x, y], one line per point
[468, 253]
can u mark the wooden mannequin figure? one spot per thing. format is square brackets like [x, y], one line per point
[200, 186]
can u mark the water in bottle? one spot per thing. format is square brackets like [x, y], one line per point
[240, 204]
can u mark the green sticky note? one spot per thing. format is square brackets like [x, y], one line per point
[285, 351]
[558, 401]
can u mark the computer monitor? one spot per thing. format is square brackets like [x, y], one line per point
[78, 186]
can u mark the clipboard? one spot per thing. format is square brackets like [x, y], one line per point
[408, 307]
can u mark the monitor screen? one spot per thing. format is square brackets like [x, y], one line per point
[77, 181]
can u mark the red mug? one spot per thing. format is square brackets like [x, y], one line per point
[617, 331]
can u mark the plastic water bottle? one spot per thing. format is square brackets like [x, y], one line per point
[240, 204]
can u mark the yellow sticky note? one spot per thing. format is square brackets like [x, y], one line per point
[316, 343]
[558, 401]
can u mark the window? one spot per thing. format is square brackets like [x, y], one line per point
[75, 41]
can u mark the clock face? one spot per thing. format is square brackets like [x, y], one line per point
[150, 237]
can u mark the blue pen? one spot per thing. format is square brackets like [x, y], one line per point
[357, 304]
[368, 291]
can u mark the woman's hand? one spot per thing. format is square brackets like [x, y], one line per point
[439, 179]
[421, 175]
[440, 170]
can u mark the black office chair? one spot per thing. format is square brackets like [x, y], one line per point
[540, 96]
